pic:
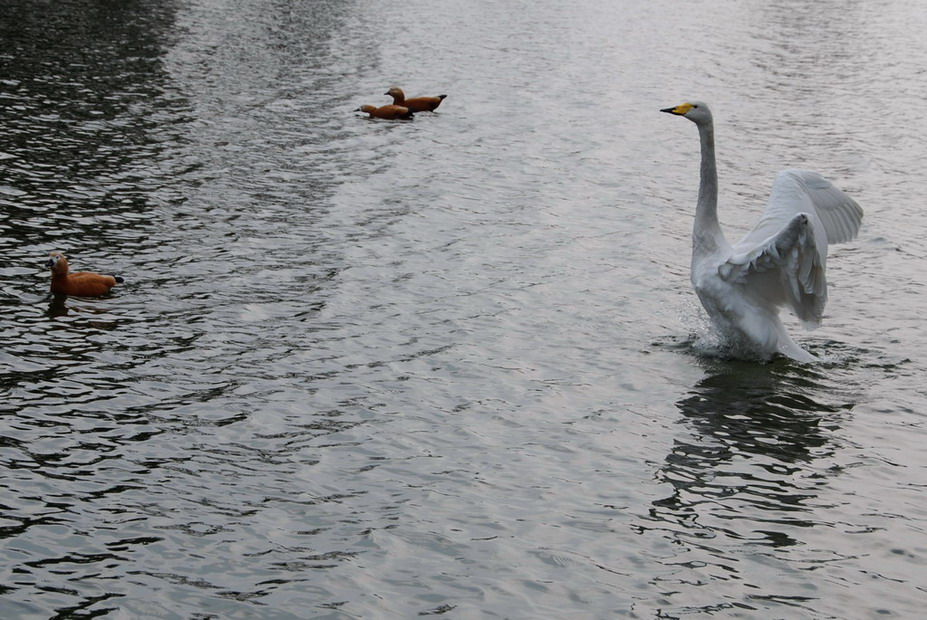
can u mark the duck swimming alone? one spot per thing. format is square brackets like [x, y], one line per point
[79, 283]
[390, 112]
[416, 104]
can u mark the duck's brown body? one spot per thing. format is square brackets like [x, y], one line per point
[415, 104]
[391, 112]
[79, 283]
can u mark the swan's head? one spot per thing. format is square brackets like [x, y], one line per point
[695, 111]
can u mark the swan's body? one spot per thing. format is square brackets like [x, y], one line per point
[781, 262]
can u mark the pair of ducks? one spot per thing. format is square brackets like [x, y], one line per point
[402, 108]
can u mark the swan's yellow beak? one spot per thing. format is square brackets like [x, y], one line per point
[679, 110]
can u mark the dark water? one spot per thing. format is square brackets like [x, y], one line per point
[367, 369]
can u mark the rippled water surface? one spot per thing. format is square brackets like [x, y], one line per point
[365, 369]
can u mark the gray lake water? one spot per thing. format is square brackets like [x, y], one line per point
[368, 369]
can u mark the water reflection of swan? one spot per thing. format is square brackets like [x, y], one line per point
[747, 469]
[758, 410]
[781, 262]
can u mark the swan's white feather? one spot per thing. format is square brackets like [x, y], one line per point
[804, 191]
[785, 269]
[805, 213]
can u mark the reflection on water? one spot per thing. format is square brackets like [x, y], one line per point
[762, 410]
[749, 470]
[58, 306]
[75, 127]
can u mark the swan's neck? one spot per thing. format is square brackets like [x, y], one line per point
[706, 234]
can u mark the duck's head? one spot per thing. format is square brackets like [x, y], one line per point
[695, 111]
[395, 92]
[366, 108]
[57, 262]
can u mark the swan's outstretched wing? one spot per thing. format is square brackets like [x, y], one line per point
[784, 257]
[803, 191]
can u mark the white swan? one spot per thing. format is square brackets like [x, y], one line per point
[780, 262]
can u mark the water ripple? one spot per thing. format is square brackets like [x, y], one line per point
[452, 366]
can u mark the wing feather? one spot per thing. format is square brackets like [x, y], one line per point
[804, 191]
[791, 265]
[805, 213]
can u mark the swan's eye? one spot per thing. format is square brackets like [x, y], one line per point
[695, 105]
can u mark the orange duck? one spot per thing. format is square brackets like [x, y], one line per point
[79, 283]
[416, 104]
[386, 111]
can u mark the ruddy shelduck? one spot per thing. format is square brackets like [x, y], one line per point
[79, 283]
[416, 104]
[391, 112]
